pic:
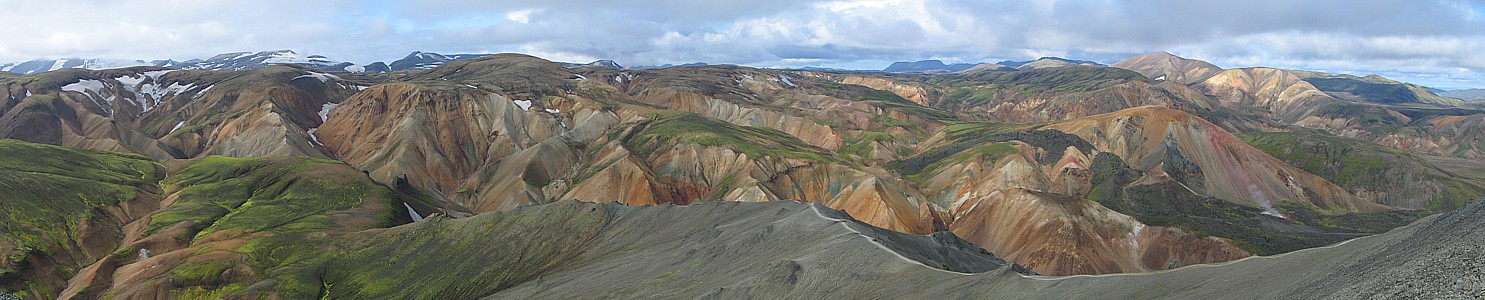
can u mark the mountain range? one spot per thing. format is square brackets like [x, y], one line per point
[240, 61]
[1466, 94]
[278, 175]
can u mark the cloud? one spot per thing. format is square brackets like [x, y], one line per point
[1403, 38]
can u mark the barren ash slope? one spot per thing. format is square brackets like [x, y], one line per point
[787, 250]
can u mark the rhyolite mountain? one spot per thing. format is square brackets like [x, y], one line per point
[926, 66]
[425, 60]
[241, 61]
[1465, 94]
[48, 65]
[287, 180]
[1046, 62]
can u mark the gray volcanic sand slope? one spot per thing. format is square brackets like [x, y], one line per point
[793, 250]
[754, 250]
[1437, 257]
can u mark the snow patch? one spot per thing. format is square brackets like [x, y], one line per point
[177, 126]
[553, 111]
[84, 86]
[355, 69]
[203, 91]
[312, 138]
[156, 74]
[412, 213]
[287, 57]
[524, 104]
[131, 81]
[157, 93]
[241, 56]
[57, 65]
[1134, 235]
[323, 77]
[787, 80]
[325, 111]
[90, 88]
[580, 76]
[1161, 78]
[783, 79]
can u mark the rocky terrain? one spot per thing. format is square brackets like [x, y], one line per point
[287, 180]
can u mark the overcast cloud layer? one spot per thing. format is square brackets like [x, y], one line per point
[1431, 42]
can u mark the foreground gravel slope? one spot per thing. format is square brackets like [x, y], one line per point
[793, 250]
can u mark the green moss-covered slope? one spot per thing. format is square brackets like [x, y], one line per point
[668, 129]
[250, 218]
[254, 194]
[1287, 227]
[1397, 177]
[46, 193]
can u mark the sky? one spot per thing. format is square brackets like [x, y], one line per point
[1437, 43]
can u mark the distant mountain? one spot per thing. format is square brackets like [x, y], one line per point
[695, 64]
[935, 66]
[597, 63]
[426, 60]
[1046, 62]
[1163, 66]
[48, 65]
[926, 66]
[377, 67]
[240, 61]
[1373, 88]
[818, 68]
[1469, 94]
[606, 63]
[988, 68]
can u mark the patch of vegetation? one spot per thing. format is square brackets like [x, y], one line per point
[376, 264]
[42, 99]
[1168, 204]
[861, 144]
[254, 194]
[197, 274]
[880, 98]
[197, 292]
[1375, 89]
[1357, 165]
[517, 75]
[211, 120]
[986, 87]
[663, 130]
[965, 138]
[1373, 119]
[48, 191]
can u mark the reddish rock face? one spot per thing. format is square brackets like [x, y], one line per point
[1163, 66]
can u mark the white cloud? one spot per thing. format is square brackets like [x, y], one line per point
[520, 16]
